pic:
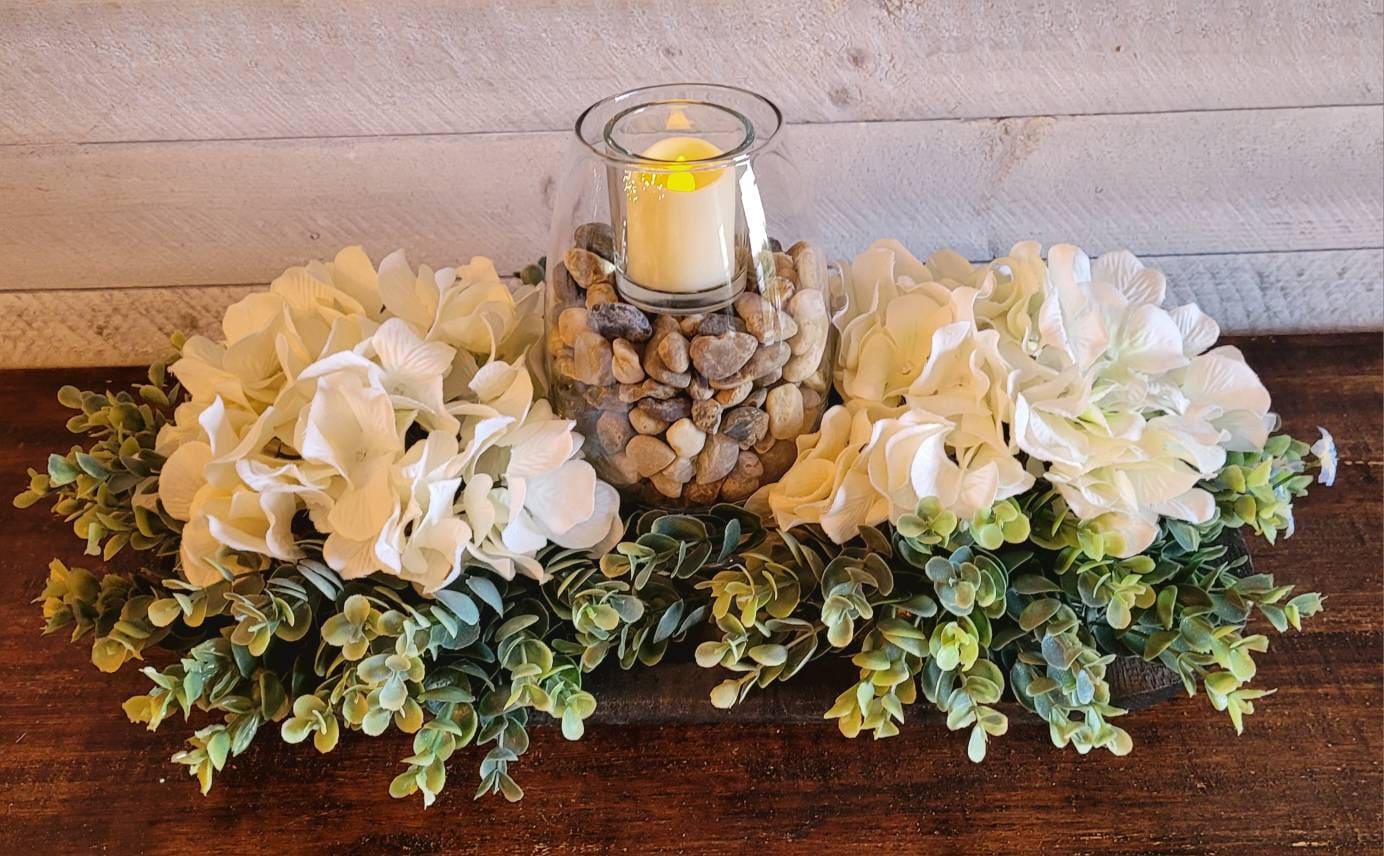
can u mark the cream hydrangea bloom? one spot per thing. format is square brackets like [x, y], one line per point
[349, 394]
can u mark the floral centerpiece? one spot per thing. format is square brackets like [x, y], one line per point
[359, 512]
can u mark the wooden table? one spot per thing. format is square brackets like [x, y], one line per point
[74, 774]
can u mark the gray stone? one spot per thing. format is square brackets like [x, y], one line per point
[745, 425]
[620, 320]
[596, 237]
[669, 410]
[716, 459]
[716, 323]
[766, 360]
[757, 398]
[613, 431]
[744, 479]
[673, 350]
[653, 364]
[632, 392]
[722, 355]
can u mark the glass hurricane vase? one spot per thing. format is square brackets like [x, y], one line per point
[688, 329]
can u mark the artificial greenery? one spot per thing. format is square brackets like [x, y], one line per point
[1022, 602]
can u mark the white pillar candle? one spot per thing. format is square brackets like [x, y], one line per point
[680, 223]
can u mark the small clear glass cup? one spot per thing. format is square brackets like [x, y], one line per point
[690, 343]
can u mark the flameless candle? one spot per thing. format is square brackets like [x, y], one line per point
[680, 222]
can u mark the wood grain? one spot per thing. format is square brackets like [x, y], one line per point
[1305, 775]
[1247, 293]
[158, 214]
[80, 71]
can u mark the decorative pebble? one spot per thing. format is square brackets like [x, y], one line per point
[673, 350]
[622, 469]
[715, 324]
[706, 415]
[620, 320]
[763, 320]
[605, 398]
[681, 469]
[735, 395]
[653, 364]
[811, 266]
[632, 392]
[571, 324]
[778, 459]
[769, 379]
[784, 267]
[564, 289]
[686, 438]
[624, 362]
[757, 398]
[785, 407]
[778, 291]
[596, 237]
[719, 356]
[745, 425]
[809, 309]
[666, 485]
[650, 454]
[613, 431]
[744, 479]
[600, 294]
[669, 409]
[716, 459]
[766, 360]
[586, 267]
[591, 359]
[699, 389]
[812, 403]
[689, 325]
[702, 494]
[647, 423]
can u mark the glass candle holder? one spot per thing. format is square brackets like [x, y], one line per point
[691, 345]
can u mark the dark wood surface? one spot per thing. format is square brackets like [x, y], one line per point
[1305, 776]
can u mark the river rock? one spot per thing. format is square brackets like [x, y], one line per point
[621, 470]
[682, 469]
[666, 485]
[591, 359]
[673, 350]
[620, 320]
[600, 294]
[597, 238]
[649, 454]
[744, 479]
[745, 425]
[812, 403]
[699, 389]
[625, 362]
[763, 320]
[653, 364]
[809, 309]
[646, 423]
[767, 360]
[571, 323]
[784, 267]
[586, 267]
[604, 398]
[668, 409]
[686, 438]
[735, 395]
[716, 459]
[778, 458]
[632, 392]
[719, 356]
[785, 407]
[701, 494]
[613, 431]
[778, 291]
[811, 266]
[757, 398]
[564, 289]
[716, 324]
[689, 325]
[706, 415]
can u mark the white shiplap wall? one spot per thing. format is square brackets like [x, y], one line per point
[158, 158]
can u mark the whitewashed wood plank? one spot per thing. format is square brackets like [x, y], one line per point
[225, 212]
[82, 71]
[1250, 293]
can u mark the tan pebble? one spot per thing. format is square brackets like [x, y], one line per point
[746, 425]
[599, 294]
[686, 438]
[625, 362]
[717, 458]
[669, 410]
[632, 392]
[654, 365]
[784, 267]
[809, 309]
[650, 454]
[811, 266]
[732, 397]
[778, 291]
[758, 397]
[571, 324]
[673, 350]
[702, 494]
[785, 407]
[586, 267]
[646, 423]
[688, 324]
[613, 431]
[666, 485]
[699, 389]
[766, 360]
[591, 359]
[777, 459]
[605, 398]
[706, 415]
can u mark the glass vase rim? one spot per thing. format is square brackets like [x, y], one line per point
[752, 145]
